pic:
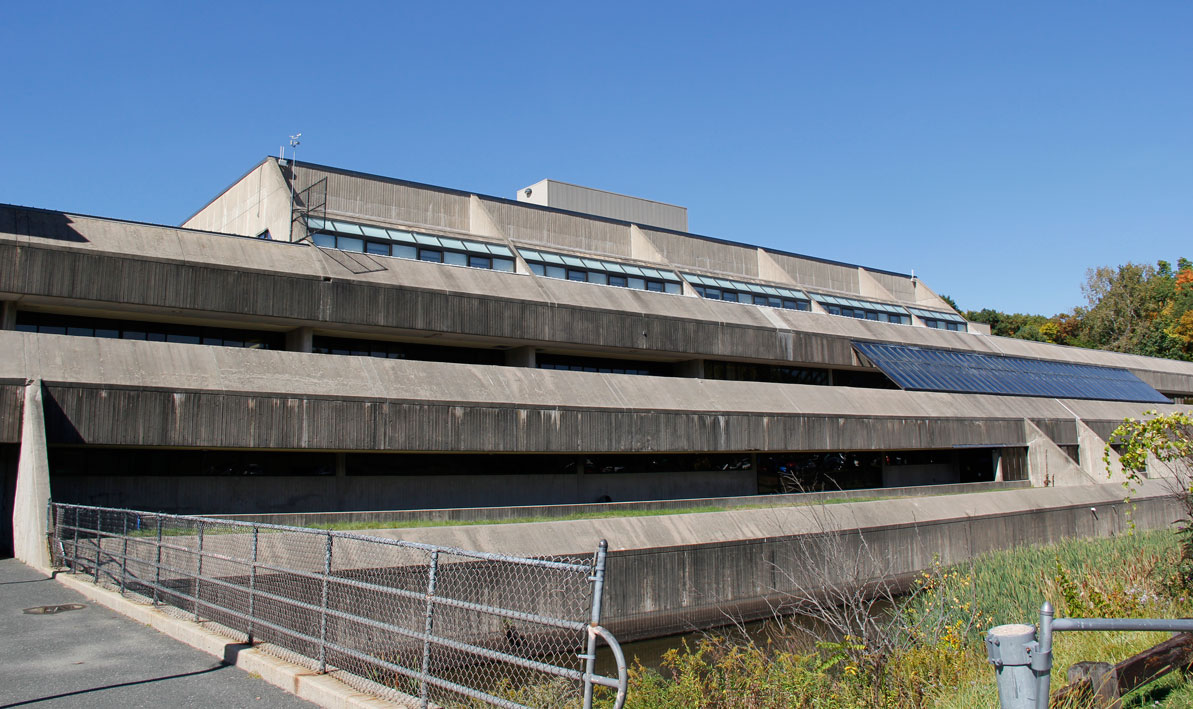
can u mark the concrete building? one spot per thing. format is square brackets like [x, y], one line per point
[317, 339]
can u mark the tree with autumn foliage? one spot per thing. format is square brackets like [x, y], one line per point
[1138, 309]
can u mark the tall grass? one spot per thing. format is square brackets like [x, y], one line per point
[942, 663]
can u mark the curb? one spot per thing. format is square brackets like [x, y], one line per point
[321, 689]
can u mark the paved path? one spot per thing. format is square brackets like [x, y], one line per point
[94, 657]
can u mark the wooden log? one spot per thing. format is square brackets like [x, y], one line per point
[1104, 684]
[1097, 683]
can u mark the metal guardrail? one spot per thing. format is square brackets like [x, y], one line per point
[402, 620]
[1024, 664]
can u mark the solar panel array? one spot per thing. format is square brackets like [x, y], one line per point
[926, 369]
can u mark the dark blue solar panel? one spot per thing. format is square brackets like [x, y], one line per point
[925, 369]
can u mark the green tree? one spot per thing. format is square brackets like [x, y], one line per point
[1166, 438]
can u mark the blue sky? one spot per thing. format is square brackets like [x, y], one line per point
[999, 149]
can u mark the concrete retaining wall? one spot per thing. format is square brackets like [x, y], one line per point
[673, 573]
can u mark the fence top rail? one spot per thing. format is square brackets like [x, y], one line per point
[383, 541]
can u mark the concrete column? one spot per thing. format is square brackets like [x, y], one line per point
[520, 357]
[8, 315]
[29, 516]
[693, 368]
[999, 476]
[341, 465]
[300, 340]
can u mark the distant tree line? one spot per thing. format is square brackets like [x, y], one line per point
[1134, 308]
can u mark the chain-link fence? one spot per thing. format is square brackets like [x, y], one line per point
[414, 623]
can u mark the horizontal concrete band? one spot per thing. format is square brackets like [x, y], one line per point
[290, 286]
[675, 572]
[480, 514]
[121, 392]
[146, 418]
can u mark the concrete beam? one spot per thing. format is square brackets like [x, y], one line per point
[29, 514]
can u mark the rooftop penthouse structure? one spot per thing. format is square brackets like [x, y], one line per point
[317, 339]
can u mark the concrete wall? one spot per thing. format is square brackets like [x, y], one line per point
[121, 269]
[121, 392]
[258, 201]
[387, 201]
[674, 573]
[816, 275]
[549, 229]
[574, 198]
[705, 254]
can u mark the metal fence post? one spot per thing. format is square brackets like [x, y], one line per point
[51, 531]
[157, 566]
[198, 571]
[98, 546]
[1010, 649]
[428, 627]
[75, 546]
[124, 552]
[323, 605]
[598, 590]
[253, 584]
[1042, 662]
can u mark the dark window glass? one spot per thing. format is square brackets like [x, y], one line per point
[406, 350]
[601, 364]
[577, 275]
[51, 323]
[656, 286]
[615, 280]
[480, 262]
[376, 247]
[430, 255]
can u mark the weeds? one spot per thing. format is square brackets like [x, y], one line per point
[937, 658]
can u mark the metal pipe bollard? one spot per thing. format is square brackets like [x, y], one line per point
[1011, 649]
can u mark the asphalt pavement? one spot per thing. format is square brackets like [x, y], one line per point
[57, 649]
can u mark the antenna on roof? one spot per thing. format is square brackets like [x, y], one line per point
[294, 143]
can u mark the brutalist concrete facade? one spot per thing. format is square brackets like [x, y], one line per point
[84, 299]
